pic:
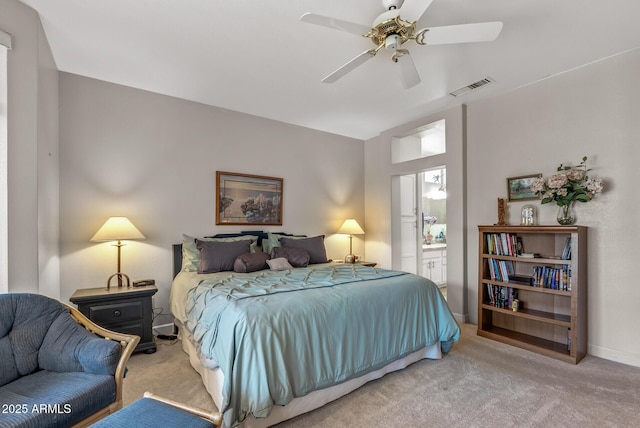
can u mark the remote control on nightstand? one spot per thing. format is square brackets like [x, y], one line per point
[144, 282]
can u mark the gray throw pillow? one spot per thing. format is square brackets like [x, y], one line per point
[315, 247]
[250, 262]
[219, 256]
[298, 257]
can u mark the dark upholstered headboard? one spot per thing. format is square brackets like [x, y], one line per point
[177, 259]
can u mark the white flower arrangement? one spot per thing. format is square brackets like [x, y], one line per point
[571, 183]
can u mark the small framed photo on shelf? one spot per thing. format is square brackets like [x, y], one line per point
[519, 188]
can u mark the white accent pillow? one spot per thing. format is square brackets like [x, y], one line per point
[280, 263]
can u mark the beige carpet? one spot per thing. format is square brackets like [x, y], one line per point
[481, 383]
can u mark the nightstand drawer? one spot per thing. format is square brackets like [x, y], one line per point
[135, 328]
[116, 313]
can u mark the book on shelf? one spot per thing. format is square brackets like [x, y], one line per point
[519, 246]
[500, 270]
[490, 297]
[529, 255]
[501, 296]
[554, 278]
[502, 244]
[566, 252]
[521, 279]
[506, 247]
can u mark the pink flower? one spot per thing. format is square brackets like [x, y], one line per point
[569, 184]
[537, 185]
[556, 181]
[595, 185]
[574, 174]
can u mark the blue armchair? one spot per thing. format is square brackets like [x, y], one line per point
[57, 368]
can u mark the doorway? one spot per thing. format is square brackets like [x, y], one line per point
[423, 225]
[433, 199]
[421, 198]
[410, 140]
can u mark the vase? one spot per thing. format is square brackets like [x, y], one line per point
[428, 238]
[566, 214]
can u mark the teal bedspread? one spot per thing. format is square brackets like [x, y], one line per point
[284, 334]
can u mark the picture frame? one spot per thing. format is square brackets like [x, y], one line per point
[244, 199]
[519, 188]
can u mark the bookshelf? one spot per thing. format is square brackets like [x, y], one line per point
[545, 269]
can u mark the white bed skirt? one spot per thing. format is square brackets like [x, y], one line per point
[213, 380]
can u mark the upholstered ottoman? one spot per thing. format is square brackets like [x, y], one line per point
[153, 411]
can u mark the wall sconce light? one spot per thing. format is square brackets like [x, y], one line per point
[351, 227]
[117, 229]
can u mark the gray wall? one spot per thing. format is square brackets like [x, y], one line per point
[153, 159]
[592, 111]
[32, 154]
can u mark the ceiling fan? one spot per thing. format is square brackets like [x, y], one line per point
[393, 28]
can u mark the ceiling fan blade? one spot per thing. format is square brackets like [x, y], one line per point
[412, 10]
[408, 70]
[336, 24]
[351, 65]
[465, 33]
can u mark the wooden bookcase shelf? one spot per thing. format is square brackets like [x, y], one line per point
[551, 318]
[533, 314]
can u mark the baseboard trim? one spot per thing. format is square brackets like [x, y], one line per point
[628, 358]
[461, 318]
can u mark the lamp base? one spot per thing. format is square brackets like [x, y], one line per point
[120, 277]
[351, 258]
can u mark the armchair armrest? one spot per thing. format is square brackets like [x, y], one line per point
[127, 342]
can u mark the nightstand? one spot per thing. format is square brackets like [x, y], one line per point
[121, 309]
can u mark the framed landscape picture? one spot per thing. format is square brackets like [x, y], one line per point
[519, 188]
[243, 199]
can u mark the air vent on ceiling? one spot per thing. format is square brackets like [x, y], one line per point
[472, 86]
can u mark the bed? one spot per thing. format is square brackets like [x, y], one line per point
[273, 344]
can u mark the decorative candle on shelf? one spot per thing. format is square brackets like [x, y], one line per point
[528, 216]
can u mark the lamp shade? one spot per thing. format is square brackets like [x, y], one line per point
[116, 229]
[351, 227]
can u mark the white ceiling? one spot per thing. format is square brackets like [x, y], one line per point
[256, 56]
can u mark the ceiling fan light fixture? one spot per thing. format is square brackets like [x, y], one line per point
[393, 42]
[390, 23]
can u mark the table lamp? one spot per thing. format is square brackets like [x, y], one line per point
[351, 227]
[117, 229]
